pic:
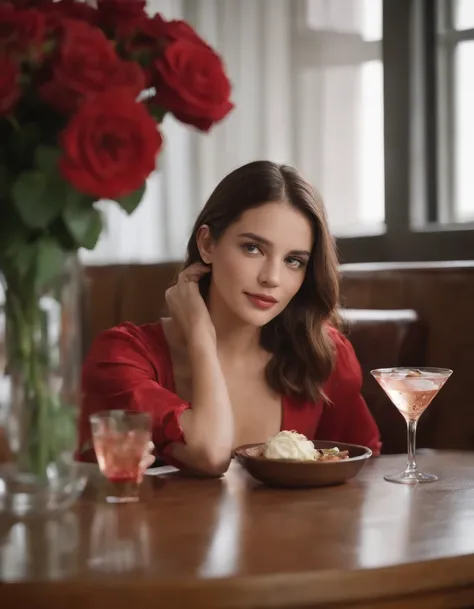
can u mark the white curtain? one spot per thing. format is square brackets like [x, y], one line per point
[307, 87]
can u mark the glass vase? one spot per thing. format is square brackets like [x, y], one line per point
[40, 352]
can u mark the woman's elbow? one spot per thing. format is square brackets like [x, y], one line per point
[203, 461]
[212, 463]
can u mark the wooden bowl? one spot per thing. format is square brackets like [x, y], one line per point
[300, 474]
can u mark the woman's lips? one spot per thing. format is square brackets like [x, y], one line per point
[261, 301]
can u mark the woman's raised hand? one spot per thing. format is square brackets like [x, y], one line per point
[186, 305]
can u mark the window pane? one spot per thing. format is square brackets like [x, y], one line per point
[464, 14]
[371, 145]
[362, 17]
[372, 20]
[464, 132]
[340, 125]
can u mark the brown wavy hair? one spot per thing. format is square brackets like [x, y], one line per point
[303, 354]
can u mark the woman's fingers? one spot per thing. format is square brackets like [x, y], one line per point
[147, 462]
[148, 457]
[194, 273]
[185, 303]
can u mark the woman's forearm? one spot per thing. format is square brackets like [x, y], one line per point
[208, 427]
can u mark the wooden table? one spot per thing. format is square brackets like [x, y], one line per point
[234, 543]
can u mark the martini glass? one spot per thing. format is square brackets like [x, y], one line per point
[411, 390]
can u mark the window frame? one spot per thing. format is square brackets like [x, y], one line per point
[415, 146]
[447, 40]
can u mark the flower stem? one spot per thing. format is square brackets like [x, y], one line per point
[29, 376]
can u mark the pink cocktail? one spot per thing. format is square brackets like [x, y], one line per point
[121, 439]
[411, 390]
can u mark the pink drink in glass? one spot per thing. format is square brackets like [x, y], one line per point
[412, 394]
[121, 440]
[411, 390]
[119, 454]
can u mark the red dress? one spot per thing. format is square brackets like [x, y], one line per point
[129, 367]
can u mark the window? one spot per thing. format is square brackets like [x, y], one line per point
[307, 77]
[310, 90]
[456, 98]
[340, 85]
[428, 90]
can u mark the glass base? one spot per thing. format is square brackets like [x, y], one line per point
[122, 492]
[23, 494]
[411, 477]
[113, 499]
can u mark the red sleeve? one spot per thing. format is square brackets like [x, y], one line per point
[121, 371]
[347, 418]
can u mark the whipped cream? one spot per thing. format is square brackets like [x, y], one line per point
[290, 445]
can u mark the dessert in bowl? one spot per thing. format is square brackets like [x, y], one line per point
[290, 445]
[289, 459]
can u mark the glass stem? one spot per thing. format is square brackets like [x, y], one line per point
[411, 437]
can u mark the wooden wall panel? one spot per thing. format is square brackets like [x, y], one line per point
[143, 291]
[443, 295]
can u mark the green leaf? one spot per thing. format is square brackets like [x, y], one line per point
[28, 188]
[84, 222]
[3, 181]
[37, 201]
[130, 202]
[46, 159]
[25, 258]
[36, 263]
[62, 428]
[40, 195]
[49, 261]
[24, 143]
[59, 231]
[13, 234]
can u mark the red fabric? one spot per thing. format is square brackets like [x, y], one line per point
[129, 367]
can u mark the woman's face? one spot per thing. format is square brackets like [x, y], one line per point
[259, 262]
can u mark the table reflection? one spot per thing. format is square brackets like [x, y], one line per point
[386, 525]
[46, 547]
[223, 553]
[119, 539]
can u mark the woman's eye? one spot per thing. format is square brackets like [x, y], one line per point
[250, 248]
[295, 263]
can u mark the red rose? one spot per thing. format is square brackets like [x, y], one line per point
[120, 13]
[153, 34]
[87, 63]
[109, 146]
[32, 3]
[56, 12]
[71, 9]
[21, 32]
[9, 88]
[180, 30]
[147, 36]
[157, 27]
[191, 83]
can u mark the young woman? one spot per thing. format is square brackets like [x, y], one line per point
[250, 346]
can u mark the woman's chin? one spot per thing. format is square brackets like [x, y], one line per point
[256, 318]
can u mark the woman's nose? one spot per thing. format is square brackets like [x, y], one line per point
[270, 273]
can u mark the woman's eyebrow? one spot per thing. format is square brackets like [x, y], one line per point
[257, 238]
[263, 241]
